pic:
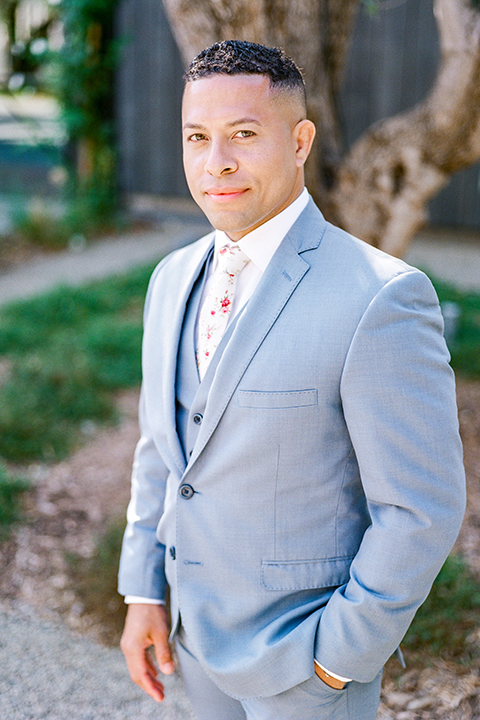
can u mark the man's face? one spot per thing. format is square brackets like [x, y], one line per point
[244, 147]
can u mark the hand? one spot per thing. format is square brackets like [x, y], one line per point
[146, 626]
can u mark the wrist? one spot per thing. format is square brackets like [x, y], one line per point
[334, 682]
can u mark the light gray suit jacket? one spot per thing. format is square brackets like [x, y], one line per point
[327, 474]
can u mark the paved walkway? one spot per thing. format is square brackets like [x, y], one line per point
[105, 257]
[451, 256]
[46, 671]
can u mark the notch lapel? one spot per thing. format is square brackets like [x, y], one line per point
[283, 274]
[186, 265]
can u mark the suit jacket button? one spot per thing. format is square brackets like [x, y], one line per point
[186, 491]
[197, 419]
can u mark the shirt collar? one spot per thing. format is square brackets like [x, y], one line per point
[261, 244]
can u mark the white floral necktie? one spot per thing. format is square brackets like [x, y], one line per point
[217, 306]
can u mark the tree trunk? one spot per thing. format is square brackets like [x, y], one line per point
[315, 33]
[399, 164]
[380, 189]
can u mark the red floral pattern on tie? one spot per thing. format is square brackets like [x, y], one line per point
[216, 309]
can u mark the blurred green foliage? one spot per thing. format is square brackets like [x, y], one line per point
[11, 490]
[82, 77]
[68, 352]
[465, 349]
[43, 225]
[448, 616]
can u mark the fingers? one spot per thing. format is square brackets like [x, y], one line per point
[145, 676]
[143, 672]
[161, 646]
[146, 625]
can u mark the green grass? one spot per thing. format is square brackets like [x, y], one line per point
[95, 582]
[11, 491]
[465, 350]
[450, 613]
[69, 351]
[72, 348]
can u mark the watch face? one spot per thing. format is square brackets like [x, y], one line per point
[328, 679]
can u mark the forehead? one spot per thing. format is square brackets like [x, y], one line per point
[220, 96]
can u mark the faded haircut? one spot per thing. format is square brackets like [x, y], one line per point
[239, 57]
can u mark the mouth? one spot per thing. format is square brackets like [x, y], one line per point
[221, 195]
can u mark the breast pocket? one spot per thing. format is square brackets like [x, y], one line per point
[305, 574]
[274, 399]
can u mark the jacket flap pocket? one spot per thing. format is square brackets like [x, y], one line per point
[283, 399]
[306, 574]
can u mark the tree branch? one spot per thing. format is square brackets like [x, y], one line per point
[399, 164]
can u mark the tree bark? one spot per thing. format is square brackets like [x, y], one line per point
[379, 191]
[315, 33]
[399, 164]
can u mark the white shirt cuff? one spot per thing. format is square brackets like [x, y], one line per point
[334, 675]
[144, 601]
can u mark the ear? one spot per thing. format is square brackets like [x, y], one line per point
[304, 134]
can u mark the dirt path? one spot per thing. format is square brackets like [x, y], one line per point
[74, 502]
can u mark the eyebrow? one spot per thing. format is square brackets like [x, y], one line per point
[233, 123]
[244, 121]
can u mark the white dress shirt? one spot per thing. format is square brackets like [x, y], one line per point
[260, 246]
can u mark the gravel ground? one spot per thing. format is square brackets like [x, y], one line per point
[49, 672]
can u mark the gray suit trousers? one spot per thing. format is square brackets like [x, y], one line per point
[311, 700]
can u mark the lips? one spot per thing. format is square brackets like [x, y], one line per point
[224, 194]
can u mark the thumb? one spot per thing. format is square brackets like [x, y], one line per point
[163, 656]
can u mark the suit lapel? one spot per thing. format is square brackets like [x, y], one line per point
[191, 265]
[283, 274]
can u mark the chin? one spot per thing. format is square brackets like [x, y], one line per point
[227, 224]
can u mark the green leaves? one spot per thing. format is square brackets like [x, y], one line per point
[83, 80]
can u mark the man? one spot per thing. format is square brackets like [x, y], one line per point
[299, 480]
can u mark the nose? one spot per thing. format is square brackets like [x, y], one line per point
[219, 160]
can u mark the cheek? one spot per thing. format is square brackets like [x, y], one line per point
[191, 169]
[278, 171]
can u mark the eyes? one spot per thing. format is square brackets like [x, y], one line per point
[245, 134]
[240, 134]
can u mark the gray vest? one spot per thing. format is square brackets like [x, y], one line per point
[191, 394]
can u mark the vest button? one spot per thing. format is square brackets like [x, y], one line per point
[186, 491]
[197, 419]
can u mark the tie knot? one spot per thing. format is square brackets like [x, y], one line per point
[231, 259]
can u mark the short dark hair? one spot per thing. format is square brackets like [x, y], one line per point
[239, 57]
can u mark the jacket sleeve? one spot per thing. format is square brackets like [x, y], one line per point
[141, 571]
[398, 399]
